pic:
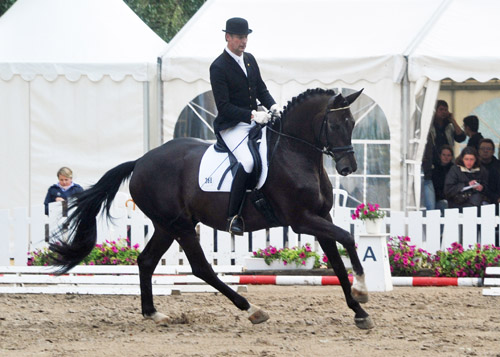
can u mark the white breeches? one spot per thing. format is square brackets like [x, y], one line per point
[236, 139]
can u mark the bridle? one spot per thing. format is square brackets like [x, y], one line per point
[347, 149]
[327, 150]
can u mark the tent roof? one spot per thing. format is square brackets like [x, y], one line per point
[324, 40]
[462, 43]
[74, 38]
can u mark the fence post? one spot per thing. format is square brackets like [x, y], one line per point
[433, 231]
[5, 238]
[21, 235]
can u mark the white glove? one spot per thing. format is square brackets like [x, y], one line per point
[275, 110]
[260, 117]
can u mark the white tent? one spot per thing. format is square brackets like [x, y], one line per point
[78, 83]
[397, 50]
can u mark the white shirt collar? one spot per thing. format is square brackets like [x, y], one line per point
[238, 59]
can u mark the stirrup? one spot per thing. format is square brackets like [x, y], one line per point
[236, 225]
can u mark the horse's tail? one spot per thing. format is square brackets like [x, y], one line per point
[82, 221]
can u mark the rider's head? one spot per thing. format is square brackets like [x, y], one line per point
[237, 34]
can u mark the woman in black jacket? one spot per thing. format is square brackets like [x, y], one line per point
[439, 173]
[466, 181]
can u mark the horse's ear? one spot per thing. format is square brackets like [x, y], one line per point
[352, 97]
[336, 101]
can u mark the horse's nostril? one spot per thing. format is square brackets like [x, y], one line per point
[346, 172]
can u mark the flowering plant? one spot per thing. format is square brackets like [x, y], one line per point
[406, 259]
[457, 262]
[368, 211]
[109, 253]
[297, 255]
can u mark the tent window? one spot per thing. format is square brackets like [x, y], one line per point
[371, 142]
[197, 118]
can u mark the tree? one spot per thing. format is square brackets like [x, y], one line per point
[165, 17]
[5, 4]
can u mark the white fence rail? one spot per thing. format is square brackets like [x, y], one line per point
[23, 230]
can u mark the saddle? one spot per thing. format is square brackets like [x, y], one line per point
[218, 161]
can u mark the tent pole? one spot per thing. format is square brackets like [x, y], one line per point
[405, 115]
[159, 102]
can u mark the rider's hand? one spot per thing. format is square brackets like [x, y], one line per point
[260, 117]
[275, 110]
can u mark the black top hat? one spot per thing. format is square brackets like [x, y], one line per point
[237, 26]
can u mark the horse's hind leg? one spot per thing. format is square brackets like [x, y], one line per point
[361, 317]
[203, 270]
[147, 261]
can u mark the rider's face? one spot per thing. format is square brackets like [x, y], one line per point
[236, 43]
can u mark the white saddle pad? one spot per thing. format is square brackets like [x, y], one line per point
[214, 164]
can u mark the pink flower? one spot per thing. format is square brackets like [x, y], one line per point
[308, 248]
[325, 259]
[303, 262]
[136, 246]
[272, 250]
[285, 262]
[302, 255]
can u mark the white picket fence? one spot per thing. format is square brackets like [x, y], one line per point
[23, 230]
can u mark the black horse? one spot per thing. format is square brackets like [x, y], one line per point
[164, 185]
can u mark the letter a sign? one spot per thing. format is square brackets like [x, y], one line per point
[369, 254]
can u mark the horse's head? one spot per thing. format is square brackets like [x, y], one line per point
[336, 131]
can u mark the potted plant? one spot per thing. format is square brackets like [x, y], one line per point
[272, 258]
[371, 215]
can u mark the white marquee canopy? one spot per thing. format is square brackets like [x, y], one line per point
[77, 88]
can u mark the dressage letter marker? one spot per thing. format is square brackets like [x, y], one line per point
[372, 251]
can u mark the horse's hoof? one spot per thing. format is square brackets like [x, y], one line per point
[258, 317]
[360, 297]
[364, 323]
[157, 317]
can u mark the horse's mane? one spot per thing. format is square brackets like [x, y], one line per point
[303, 96]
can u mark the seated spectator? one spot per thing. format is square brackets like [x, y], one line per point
[471, 127]
[466, 181]
[439, 173]
[62, 190]
[492, 165]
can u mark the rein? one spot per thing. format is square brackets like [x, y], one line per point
[328, 151]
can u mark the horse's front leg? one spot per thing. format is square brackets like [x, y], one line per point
[147, 261]
[361, 317]
[203, 270]
[327, 234]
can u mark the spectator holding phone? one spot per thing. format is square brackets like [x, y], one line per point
[444, 130]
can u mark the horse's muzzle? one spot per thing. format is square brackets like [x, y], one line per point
[346, 165]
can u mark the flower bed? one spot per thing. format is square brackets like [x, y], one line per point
[407, 260]
[109, 253]
[297, 256]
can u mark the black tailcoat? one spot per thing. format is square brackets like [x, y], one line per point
[236, 94]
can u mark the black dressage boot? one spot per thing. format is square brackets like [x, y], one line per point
[235, 223]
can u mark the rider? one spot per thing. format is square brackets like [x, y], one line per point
[236, 85]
